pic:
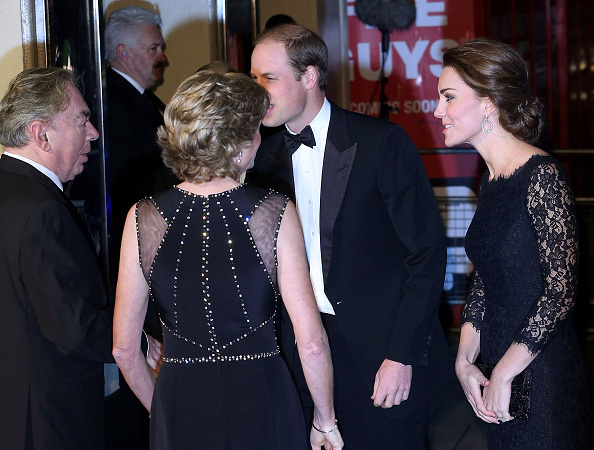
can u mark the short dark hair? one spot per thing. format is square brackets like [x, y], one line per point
[209, 120]
[303, 48]
[496, 71]
[34, 94]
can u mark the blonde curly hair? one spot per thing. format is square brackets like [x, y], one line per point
[212, 116]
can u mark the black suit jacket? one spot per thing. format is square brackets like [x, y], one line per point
[135, 167]
[57, 324]
[383, 246]
[134, 158]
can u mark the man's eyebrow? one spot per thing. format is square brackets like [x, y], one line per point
[85, 113]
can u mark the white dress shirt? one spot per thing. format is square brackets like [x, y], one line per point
[307, 174]
[130, 80]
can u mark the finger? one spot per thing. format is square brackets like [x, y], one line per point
[502, 416]
[488, 419]
[375, 387]
[482, 380]
[395, 398]
[378, 398]
[405, 394]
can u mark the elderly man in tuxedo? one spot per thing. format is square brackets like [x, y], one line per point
[135, 50]
[374, 241]
[57, 322]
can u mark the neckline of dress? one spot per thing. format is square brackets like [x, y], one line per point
[226, 192]
[503, 178]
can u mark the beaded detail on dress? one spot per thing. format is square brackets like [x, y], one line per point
[226, 230]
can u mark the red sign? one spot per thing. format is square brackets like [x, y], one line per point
[413, 65]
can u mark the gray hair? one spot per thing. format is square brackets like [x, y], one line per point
[34, 94]
[121, 27]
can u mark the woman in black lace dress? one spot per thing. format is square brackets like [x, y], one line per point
[216, 256]
[523, 242]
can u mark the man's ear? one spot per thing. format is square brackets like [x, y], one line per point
[311, 77]
[39, 135]
[123, 52]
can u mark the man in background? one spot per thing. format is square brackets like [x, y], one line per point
[57, 327]
[134, 48]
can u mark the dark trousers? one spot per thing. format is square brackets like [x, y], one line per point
[362, 425]
[126, 420]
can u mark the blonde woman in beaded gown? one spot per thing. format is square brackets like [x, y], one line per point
[216, 256]
[523, 242]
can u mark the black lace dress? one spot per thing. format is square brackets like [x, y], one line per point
[523, 242]
[210, 263]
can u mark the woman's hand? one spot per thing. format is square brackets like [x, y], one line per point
[330, 440]
[471, 379]
[154, 357]
[497, 395]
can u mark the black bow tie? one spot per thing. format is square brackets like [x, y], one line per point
[306, 137]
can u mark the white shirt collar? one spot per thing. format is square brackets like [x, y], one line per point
[44, 170]
[131, 80]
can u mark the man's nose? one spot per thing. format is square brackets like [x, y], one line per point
[92, 132]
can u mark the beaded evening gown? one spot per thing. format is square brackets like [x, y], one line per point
[523, 244]
[210, 263]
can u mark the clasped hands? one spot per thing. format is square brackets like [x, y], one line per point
[492, 404]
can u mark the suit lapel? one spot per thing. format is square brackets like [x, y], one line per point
[18, 167]
[147, 103]
[339, 157]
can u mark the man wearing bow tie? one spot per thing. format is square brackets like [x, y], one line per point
[374, 241]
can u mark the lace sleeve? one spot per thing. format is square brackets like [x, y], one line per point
[150, 229]
[552, 211]
[475, 304]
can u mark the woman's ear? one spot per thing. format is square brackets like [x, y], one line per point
[489, 106]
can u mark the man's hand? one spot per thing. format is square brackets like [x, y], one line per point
[392, 384]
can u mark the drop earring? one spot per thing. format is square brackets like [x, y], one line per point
[487, 125]
[239, 157]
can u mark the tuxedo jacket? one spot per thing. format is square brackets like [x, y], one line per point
[133, 156]
[383, 246]
[57, 324]
[135, 167]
